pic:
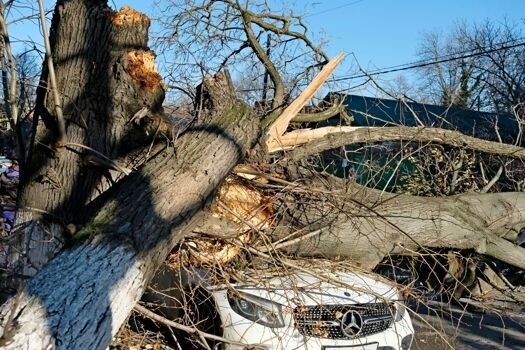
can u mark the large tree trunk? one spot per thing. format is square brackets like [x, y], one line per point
[105, 74]
[80, 298]
[366, 225]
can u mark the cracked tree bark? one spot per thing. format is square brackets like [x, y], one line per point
[80, 298]
[105, 74]
[366, 225]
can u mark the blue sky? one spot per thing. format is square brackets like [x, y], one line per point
[380, 33]
[384, 33]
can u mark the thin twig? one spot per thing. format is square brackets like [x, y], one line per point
[454, 182]
[110, 161]
[291, 241]
[492, 181]
[482, 170]
[192, 330]
[241, 170]
[52, 79]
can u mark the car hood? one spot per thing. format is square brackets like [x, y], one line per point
[333, 288]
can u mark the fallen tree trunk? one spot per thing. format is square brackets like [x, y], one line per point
[339, 219]
[80, 298]
[366, 225]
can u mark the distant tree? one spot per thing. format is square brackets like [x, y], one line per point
[453, 82]
[503, 77]
[28, 66]
[482, 67]
[19, 75]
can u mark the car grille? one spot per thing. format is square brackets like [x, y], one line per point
[335, 321]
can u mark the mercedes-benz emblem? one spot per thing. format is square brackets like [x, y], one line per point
[351, 323]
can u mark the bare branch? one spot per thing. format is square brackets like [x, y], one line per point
[277, 81]
[492, 181]
[278, 128]
[52, 79]
[323, 139]
[336, 109]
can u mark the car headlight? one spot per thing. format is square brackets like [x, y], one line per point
[256, 309]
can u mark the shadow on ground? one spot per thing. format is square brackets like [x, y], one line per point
[466, 330]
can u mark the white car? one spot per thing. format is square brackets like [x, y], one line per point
[302, 311]
[337, 311]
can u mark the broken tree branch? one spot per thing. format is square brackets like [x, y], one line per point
[318, 140]
[279, 126]
[61, 124]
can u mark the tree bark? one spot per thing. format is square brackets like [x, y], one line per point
[80, 298]
[105, 74]
[366, 225]
[318, 140]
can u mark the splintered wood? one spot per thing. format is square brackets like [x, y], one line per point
[243, 204]
[278, 128]
[140, 65]
[127, 16]
[236, 201]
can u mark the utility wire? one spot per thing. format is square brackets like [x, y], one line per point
[423, 64]
[333, 9]
[420, 64]
[454, 54]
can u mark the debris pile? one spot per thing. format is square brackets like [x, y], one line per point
[9, 174]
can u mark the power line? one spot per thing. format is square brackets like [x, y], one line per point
[454, 54]
[423, 64]
[333, 9]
